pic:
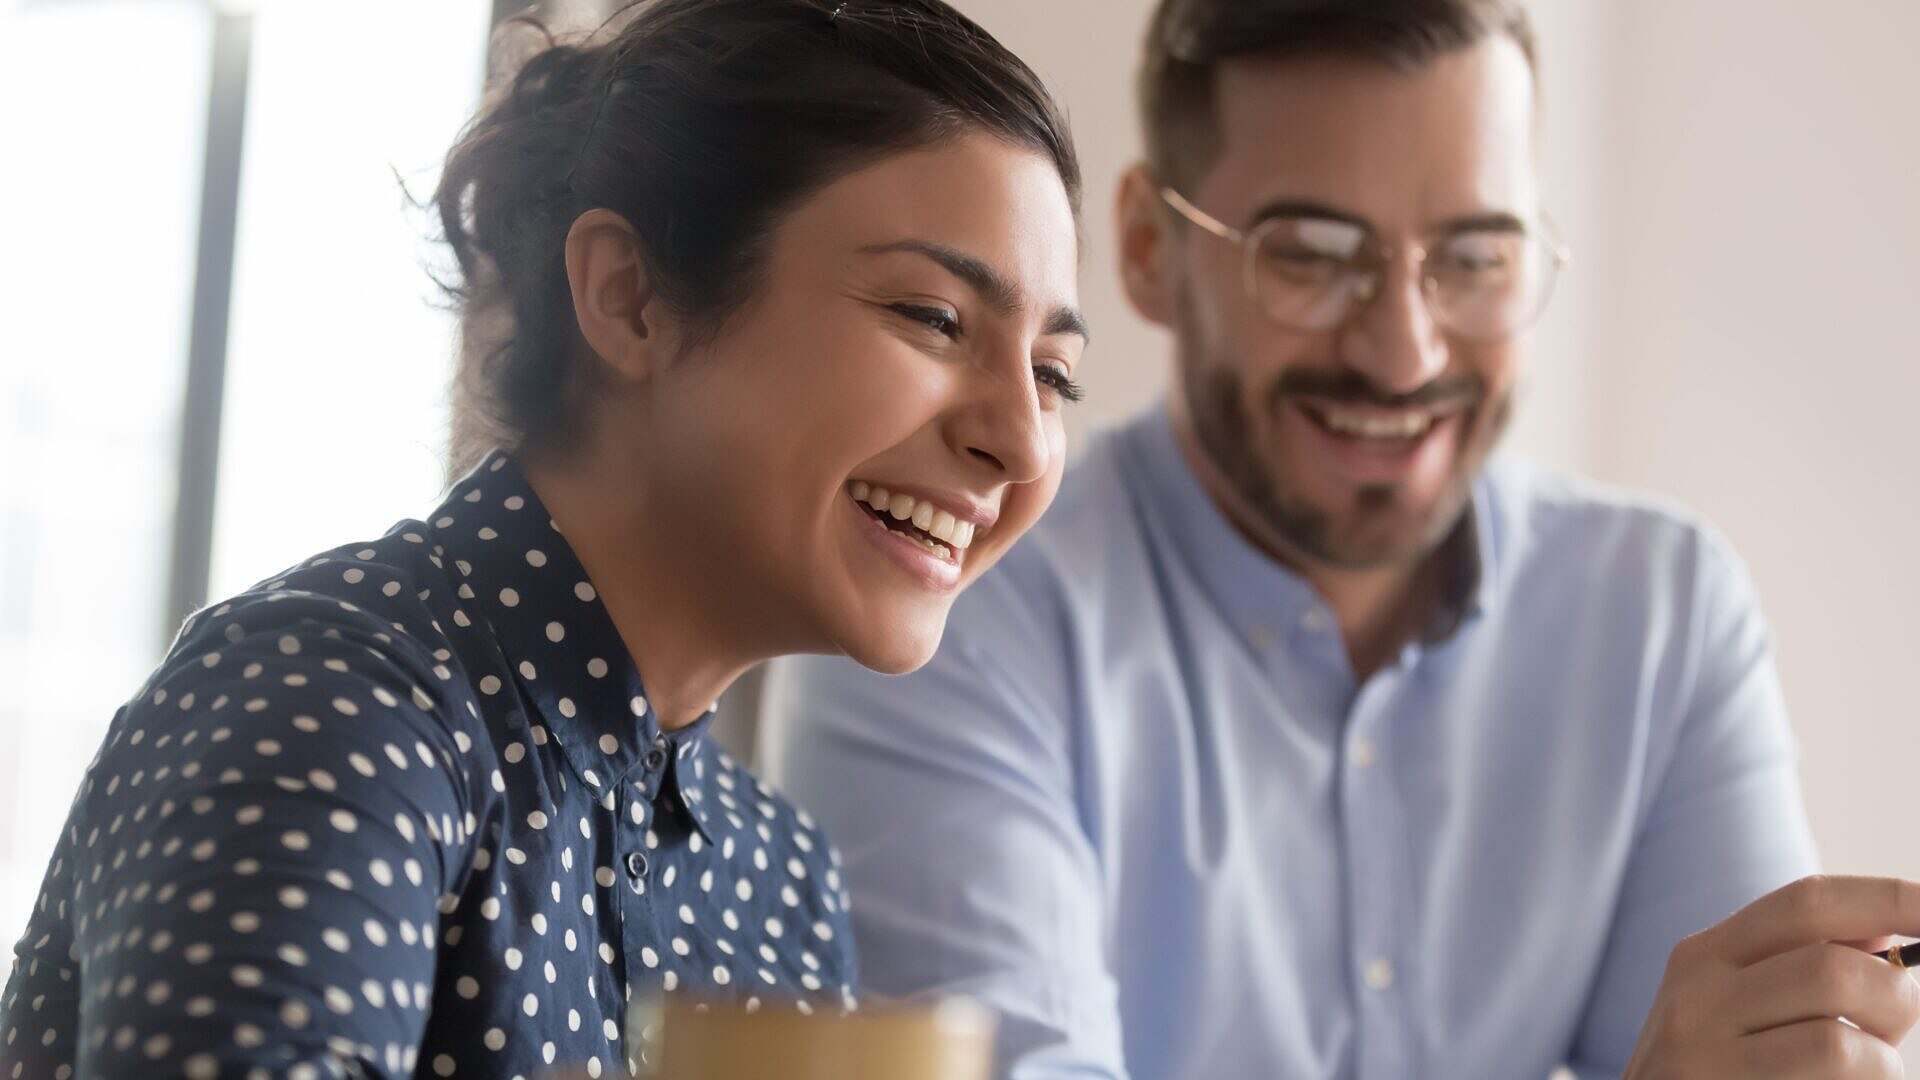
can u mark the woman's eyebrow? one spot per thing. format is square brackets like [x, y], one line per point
[993, 287]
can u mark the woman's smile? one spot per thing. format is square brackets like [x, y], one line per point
[926, 535]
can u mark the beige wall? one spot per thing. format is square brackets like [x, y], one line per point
[1740, 180]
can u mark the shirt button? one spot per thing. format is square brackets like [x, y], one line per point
[1362, 752]
[637, 865]
[1379, 975]
[1314, 620]
[655, 760]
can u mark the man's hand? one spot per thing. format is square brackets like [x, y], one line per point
[1762, 994]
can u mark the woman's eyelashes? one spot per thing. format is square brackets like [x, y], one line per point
[946, 323]
[1057, 380]
[938, 319]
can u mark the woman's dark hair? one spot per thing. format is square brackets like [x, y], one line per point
[701, 122]
[1188, 40]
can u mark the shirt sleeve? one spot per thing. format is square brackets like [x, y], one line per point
[1725, 824]
[256, 861]
[951, 795]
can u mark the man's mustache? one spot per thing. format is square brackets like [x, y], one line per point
[1353, 389]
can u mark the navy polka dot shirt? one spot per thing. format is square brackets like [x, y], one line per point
[406, 809]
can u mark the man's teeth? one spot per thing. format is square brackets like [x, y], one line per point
[1375, 426]
[926, 517]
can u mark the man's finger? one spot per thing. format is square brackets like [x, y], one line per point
[1819, 909]
[1822, 982]
[1818, 1050]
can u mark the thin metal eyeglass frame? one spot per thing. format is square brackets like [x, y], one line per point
[1249, 243]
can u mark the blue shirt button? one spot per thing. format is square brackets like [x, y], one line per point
[637, 865]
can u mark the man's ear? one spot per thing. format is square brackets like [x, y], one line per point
[1145, 246]
[625, 323]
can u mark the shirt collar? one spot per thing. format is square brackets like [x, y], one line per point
[521, 579]
[1250, 586]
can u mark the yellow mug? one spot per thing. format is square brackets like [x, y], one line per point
[680, 1039]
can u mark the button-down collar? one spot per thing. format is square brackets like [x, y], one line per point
[558, 639]
[1250, 586]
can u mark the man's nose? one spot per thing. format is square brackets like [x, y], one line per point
[1394, 339]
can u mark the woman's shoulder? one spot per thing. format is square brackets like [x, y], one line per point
[344, 648]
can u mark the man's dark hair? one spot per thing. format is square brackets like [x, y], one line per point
[702, 123]
[1188, 40]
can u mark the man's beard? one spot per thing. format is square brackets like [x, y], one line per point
[1375, 531]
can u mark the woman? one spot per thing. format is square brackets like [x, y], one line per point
[791, 324]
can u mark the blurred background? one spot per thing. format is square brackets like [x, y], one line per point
[220, 349]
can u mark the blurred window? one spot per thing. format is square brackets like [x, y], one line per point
[338, 352]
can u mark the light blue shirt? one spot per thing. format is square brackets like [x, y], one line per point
[1139, 804]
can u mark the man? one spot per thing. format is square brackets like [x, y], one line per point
[1300, 740]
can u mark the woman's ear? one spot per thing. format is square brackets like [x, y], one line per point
[623, 320]
[1141, 225]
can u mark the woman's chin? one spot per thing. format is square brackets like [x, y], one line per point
[899, 647]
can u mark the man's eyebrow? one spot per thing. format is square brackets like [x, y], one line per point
[1306, 208]
[1490, 221]
[1487, 221]
[1000, 294]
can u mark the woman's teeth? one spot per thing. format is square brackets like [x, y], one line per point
[929, 519]
[1375, 426]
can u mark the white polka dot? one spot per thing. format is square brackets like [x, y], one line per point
[555, 632]
[536, 558]
[597, 668]
[584, 591]
[354, 576]
[494, 1038]
[530, 1005]
[537, 820]
[489, 684]
[289, 645]
[638, 705]
[509, 597]
[609, 744]
[343, 820]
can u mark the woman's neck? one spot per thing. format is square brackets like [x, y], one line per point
[674, 621]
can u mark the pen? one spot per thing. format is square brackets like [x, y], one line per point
[1907, 955]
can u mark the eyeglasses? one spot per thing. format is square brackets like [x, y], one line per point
[1314, 273]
